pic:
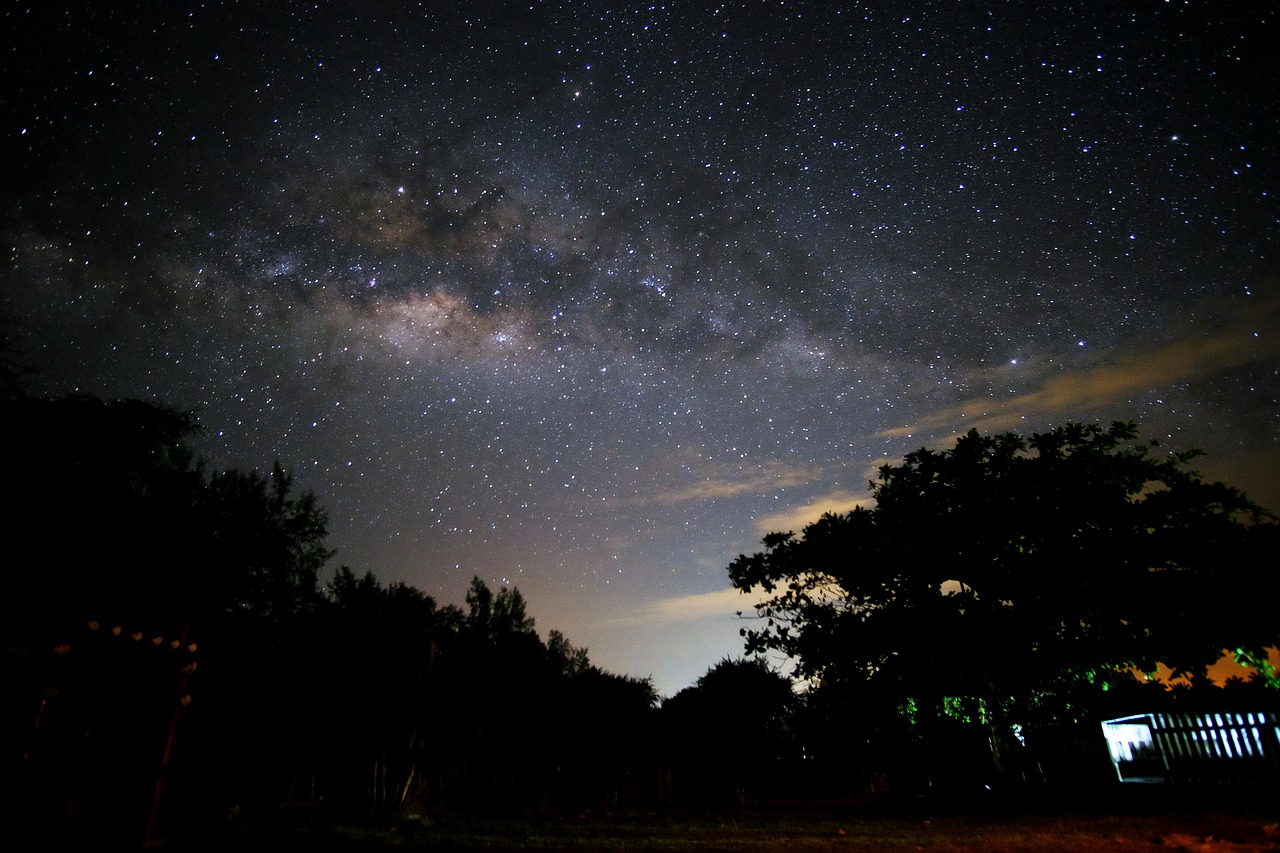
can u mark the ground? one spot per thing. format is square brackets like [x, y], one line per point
[1248, 825]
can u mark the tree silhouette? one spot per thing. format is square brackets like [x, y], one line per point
[172, 660]
[99, 512]
[96, 605]
[732, 735]
[997, 579]
[131, 560]
[373, 672]
[605, 731]
[566, 658]
[266, 546]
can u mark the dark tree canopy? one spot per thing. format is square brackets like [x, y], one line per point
[267, 545]
[169, 654]
[120, 524]
[1005, 570]
[97, 512]
[733, 734]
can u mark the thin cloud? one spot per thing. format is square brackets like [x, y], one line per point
[1191, 357]
[722, 604]
[797, 518]
[723, 481]
[726, 602]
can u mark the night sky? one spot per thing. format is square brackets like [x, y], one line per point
[586, 297]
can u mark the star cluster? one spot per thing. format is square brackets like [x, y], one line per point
[586, 299]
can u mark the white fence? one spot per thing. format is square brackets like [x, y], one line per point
[1219, 748]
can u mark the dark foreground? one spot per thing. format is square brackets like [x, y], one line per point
[1151, 825]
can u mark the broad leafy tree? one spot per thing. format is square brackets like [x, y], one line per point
[732, 735]
[604, 727]
[997, 579]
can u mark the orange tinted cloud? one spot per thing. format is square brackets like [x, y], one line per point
[797, 518]
[1241, 337]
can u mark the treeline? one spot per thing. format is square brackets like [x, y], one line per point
[177, 657]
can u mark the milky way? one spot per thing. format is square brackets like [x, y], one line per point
[586, 301]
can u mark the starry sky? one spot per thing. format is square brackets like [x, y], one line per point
[586, 297]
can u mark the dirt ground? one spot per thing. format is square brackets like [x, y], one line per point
[1153, 826]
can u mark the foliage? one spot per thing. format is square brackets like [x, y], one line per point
[99, 510]
[130, 569]
[996, 578]
[374, 669]
[157, 610]
[265, 547]
[151, 601]
[496, 617]
[733, 734]
[126, 528]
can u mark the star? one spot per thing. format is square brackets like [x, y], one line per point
[587, 301]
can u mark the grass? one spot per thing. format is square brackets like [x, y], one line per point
[854, 827]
